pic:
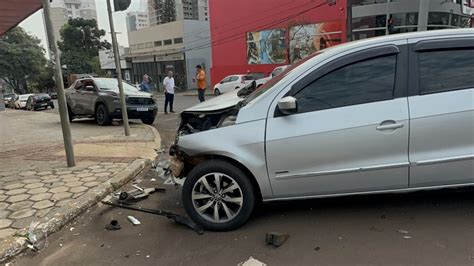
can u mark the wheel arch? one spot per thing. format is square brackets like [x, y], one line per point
[250, 175]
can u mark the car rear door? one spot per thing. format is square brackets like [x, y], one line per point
[75, 98]
[441, 111]
[89, 97]
[350, 133]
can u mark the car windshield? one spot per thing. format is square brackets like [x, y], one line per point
[271, 83]
[112, 84]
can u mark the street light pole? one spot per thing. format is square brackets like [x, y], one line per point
[118, 68]
[58, 78]
[349, 21]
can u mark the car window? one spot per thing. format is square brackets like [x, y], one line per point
[226, 79]
[446, 70]
[362, 82]
[234, 78]
[248, 77]
[78, 85]
[112, 84]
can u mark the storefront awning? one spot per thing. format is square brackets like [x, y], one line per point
[12, 12]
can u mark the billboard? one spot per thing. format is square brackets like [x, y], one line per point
[307, 39]
[266, 47]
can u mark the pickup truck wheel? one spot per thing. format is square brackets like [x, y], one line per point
[218, 195]
[102, 116]
[217, 92]
[148, 120]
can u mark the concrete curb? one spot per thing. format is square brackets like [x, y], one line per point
[155, 132]
[52, 223]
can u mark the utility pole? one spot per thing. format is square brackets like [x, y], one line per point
[349, 21]
[118, 68]
[58, 78]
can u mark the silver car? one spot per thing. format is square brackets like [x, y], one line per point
[389, 114]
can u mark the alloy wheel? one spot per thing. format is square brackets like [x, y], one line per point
[217, 197]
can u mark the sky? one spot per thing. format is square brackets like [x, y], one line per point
[34, 24]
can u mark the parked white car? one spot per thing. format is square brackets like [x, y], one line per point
[21, 101]
[232, 82]
[277, 71]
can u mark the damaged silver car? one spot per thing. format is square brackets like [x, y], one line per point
[390, 114]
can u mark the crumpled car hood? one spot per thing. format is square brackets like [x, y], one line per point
[223, 101]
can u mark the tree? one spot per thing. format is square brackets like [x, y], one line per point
[81, 42]
[22, 59]
[167, 9]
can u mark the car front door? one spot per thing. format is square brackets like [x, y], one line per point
[89, 96]
[75, 98]
[350, 131]
[442, 112]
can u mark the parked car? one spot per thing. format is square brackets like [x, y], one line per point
[232, 82]
[381, 115]
[11, 100]
[277, 71]
[53, 95]
[20, 102]
[7, 98]
[99, 98]
[39, 101]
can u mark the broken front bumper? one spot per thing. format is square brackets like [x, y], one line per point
[177, 160]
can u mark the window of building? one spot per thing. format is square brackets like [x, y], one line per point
[140, 46]
[178, 40]
[158, 43]
[438, 18]
[446, 70]
[149, 45]
[168, 42]
[362, 82]
[367, 2]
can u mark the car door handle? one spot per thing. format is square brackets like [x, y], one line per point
[390, 126]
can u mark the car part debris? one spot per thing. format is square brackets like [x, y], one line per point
[252, 262]
[401, 231]
[179, 219]
[113, 226]
[137, 194]
[133, 220]
[407, 237]
[36, 241]
[276, 239]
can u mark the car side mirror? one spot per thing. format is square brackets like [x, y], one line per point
[288, 105]
[90, 88]
[222, 82]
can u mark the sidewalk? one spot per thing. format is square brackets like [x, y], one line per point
[36, 185]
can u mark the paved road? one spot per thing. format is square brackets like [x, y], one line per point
[364, 230]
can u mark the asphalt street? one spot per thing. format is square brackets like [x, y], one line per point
[428, 228]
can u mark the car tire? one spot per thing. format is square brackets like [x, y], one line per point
[217, 92]
[102, 116]
[148, 120]
[235, 200]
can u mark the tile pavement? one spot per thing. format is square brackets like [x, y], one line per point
[33, 193]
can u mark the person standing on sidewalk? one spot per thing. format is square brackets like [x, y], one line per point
[201, 82]
[168, 84]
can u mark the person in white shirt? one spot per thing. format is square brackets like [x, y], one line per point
[168, 83]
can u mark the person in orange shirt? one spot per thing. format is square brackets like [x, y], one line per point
[201, 82]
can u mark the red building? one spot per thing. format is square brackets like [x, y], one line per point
[258, 35]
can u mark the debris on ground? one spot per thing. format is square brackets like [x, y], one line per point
[317, 248]
[276, 239]
[401, 231]
[36, 240]
[407, 237]
[136, 194]
[179, 219]
[113, 226]
[133, 220]
[252, 262]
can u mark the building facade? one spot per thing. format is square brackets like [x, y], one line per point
[177, 46]
[63, 10]
[290, 31]
[185, 10]
[137, 20]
